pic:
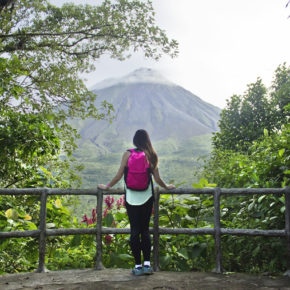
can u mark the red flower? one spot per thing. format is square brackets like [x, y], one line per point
[109, 200]
[94, 215]
[108, 239]
[87, 220]
[121, 202]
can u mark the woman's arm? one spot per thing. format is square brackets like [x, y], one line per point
[119, 174]
[159, 180]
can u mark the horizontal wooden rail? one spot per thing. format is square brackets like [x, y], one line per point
[42, 232]
[177, 191]
[163, 231]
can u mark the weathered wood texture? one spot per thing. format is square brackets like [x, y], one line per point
[216, 231]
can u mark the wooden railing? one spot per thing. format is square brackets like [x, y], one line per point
[42, 232]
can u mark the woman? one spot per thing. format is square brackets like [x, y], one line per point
[139, 204]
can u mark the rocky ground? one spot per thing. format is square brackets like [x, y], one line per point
[90, 279]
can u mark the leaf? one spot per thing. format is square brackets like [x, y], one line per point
[286, 172]
[119, 216]
[182, 253]
[27, 217]
[57, 203]
[11, 214]
[266, 133]
[251, 205]
[256, 251]
[281, 152]
[261, 198]
[273, 218]
[125, 257]
[76, 241]
[50, 225]
[31, 226]
[4, 244]
[108, 220]
[203, 181]
[196, 251]
[8, 213]
[207, 202]
[165, 260]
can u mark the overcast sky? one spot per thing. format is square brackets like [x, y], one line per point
[224, 45]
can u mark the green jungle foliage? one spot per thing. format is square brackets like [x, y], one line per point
[260, 156]
[252, 149]
[177, 252]
[43, 49]
[246, 117]
[265, 164]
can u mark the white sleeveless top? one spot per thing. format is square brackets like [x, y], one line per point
[134, 197]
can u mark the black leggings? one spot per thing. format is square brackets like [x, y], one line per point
[139, 217]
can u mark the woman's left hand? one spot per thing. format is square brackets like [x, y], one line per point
[170, 186]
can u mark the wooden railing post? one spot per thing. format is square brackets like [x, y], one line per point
[99, 263]
[217, 231]
[42, 235]
[287, 228]
[156, 231]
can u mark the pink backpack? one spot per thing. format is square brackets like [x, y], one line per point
[137, 173]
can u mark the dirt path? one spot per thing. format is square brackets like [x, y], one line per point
[90, 279]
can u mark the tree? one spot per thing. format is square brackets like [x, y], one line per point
[43, 50]
[54, 45]
[245, 117]
[252, 147]
[280, 95]
[248, 155]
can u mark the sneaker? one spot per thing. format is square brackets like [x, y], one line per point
[137, 271]
[147, 270]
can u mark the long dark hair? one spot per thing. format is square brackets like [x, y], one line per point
[142, 141]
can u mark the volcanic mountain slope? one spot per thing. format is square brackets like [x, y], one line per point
[144, 99]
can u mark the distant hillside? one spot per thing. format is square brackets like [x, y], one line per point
[144, 99]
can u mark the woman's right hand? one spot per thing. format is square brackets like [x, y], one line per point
[170, 186]
[103, 186]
